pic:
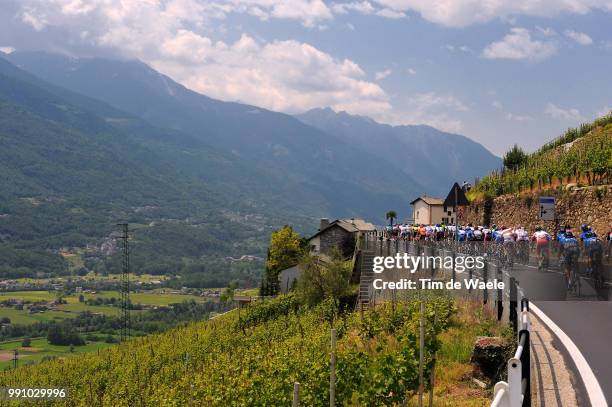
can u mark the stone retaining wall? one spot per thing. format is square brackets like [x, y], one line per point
[574, 206]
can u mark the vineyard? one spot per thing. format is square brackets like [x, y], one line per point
[582, 155]
[253, 357]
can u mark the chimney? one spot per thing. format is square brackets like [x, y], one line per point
[324, 223]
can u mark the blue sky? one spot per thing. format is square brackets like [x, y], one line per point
[500, 72]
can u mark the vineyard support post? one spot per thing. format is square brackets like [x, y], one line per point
[433, 367]
[332, 370]
[421, 351]
[296, 395]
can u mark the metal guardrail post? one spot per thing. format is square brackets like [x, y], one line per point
[514, 382]
[513, 305]
[500, 295]
[526, 369]
[485, 277]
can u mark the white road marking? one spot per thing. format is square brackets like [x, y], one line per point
[596, 395]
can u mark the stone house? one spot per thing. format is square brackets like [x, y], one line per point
[341, 233]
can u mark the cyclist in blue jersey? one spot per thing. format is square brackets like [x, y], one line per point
[461, 235]
[571, 252]
[559, 239]
[591, 245]
[469, 233]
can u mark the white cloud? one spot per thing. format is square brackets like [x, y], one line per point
[30, 17]
[459, 13]
[431, 108]
[172, 37]
[497, 104]
[519, 44]
[558, 113]
[364, 7]
[383, 74]
[411, 71]
[390, 13]
[547, 32]
[518, 117]
[7, 50]
[580, 38]
[457, 48]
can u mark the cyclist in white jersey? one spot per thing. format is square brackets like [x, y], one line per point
[542, 239]
[521, 234]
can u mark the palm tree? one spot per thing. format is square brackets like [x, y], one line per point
[391, 215]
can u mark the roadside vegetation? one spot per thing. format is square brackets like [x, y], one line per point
[584, 153]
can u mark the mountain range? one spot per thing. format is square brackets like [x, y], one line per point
[435, 158]
[87, 142]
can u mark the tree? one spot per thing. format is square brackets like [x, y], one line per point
[514, 158]
[62, 334]
[391, 216]
[286, 249]
[324, 280]
[228, 293]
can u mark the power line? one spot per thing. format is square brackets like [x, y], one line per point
[125, 282]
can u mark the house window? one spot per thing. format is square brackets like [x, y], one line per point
[417, 214]
[449, 213]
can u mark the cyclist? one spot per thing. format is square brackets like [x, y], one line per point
[469, 232]
[609, 242]
[422, 232]
[439, 232]
[522, 238]
[559, 239]
[461, 235]
[542, 239]
[487, 234]
[478, 235]
[596, 262]
[590, 242]
[508, 237]
[571, 252]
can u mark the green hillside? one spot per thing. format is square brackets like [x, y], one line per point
[253, 357]
[584, 153]
[67, 176]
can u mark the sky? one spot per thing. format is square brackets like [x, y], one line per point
[498, 71]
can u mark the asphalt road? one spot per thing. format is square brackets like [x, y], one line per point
[587, 321]
[589, 325]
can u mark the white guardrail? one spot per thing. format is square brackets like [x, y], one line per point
[516, 392]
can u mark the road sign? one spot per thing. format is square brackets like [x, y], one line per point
[547, 207]
[456, 197]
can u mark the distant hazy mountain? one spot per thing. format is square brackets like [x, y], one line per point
[308, 171]
[434, 158]
[67, 175]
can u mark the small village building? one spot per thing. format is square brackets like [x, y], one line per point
[341, 233]
[428, 210]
